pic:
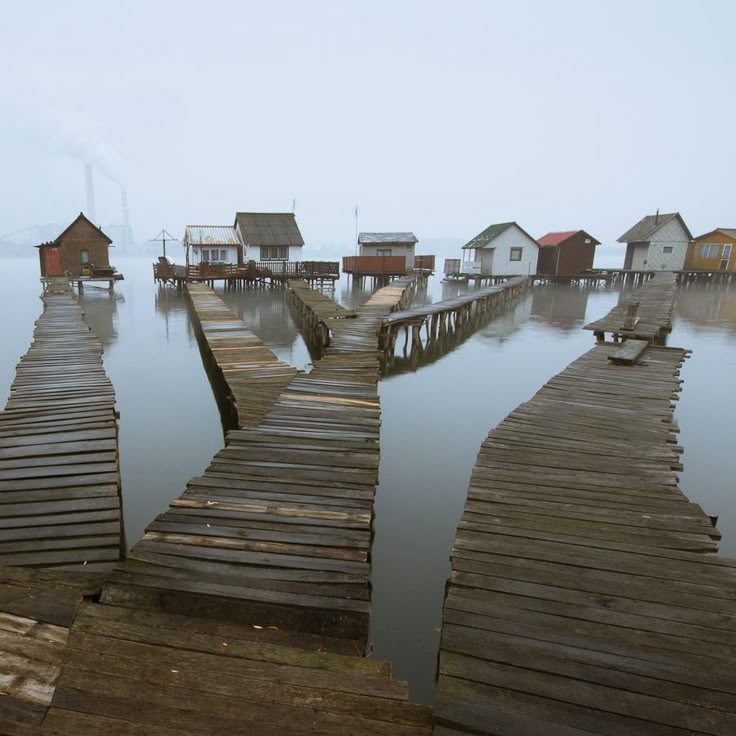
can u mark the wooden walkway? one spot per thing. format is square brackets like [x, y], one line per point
[69, 666]
[59, 465]
[584, 596]
[644, 314]
[447, 316]
[243, 369]
[276, 531]
[316, 311]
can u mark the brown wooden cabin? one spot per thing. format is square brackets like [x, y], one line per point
[567, 253]
[81, 250]
[713, 251]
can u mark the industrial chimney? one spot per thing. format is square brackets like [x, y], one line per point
[91, 212]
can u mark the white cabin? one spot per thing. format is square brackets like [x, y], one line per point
[269, 236]
[504, 249]
[657, 243]
[389, 244]
[215, 244]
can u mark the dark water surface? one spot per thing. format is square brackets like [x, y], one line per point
[434, 418]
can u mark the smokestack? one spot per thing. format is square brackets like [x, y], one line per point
[91, 212]
[656, 217]
[127, 230]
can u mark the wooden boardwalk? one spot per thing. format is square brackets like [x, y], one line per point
[69, 666]
[447, 316]
[276, 531]
[59, 465]
[242, 368]
[316, 312]
[644, 314]
[584, 596]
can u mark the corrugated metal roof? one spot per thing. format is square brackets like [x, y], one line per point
[211, 235]
[387, 238]
[268, 228]
[492, 232]
[647, 226]
[556, 238]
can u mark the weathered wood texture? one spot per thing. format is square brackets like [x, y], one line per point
[450, 316]
[584, 596]
[59, 466]
[247, 371]
[277, 529]
[130, 673]
[36, 611]
[644, 314]
[316, 312]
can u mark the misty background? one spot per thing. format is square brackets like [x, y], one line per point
[435, 117]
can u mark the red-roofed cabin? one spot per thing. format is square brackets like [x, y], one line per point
[566, 254]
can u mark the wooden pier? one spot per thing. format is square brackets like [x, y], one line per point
[585, 596]
[315, 312]
[644, 314]
[247, 376]
[59, 464]
[448, 316]
[276, 532]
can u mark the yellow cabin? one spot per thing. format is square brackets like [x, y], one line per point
[714, 251]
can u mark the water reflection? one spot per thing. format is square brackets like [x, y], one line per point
[708, 308]
[173, 306]
[562, 307]
[100, 308]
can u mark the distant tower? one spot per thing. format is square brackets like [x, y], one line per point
[91, 211]
[127, 234]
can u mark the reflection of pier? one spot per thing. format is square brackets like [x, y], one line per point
[581, 575]
[446, 317]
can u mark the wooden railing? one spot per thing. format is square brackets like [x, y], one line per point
[374, 265]
[249, 270]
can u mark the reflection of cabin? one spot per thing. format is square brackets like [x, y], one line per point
[656, 243]
[269, 236]
[503, 249]
[713, 251]
[80, 251]
[567, 253]
[216, 244]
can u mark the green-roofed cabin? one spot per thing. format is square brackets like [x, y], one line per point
[504, 249]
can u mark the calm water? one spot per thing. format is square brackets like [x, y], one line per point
[434, 419]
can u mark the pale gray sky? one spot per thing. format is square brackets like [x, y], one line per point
[436, 117]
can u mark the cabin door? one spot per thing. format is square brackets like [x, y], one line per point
[52, 262]
[725, 256]
[486, 260]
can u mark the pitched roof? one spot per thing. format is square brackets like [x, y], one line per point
[80, 218]
[268, 228]
[730, 231]
[647, 226]
[491, 233]
[387, 238]
[558, 238]
[211, 235]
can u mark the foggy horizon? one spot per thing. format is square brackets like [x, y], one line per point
[431, 118]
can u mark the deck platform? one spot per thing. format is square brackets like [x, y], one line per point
[248, 376]
[585, 594]
[59, 463]
[276, 531]
[644, 314]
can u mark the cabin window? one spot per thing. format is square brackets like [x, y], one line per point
[710, 250]
[667, 249]
[274, 252]
[515, 254]
[383, 251]
[84, 256]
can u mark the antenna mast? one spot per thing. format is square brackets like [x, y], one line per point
[356, 229]
[162, 237]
